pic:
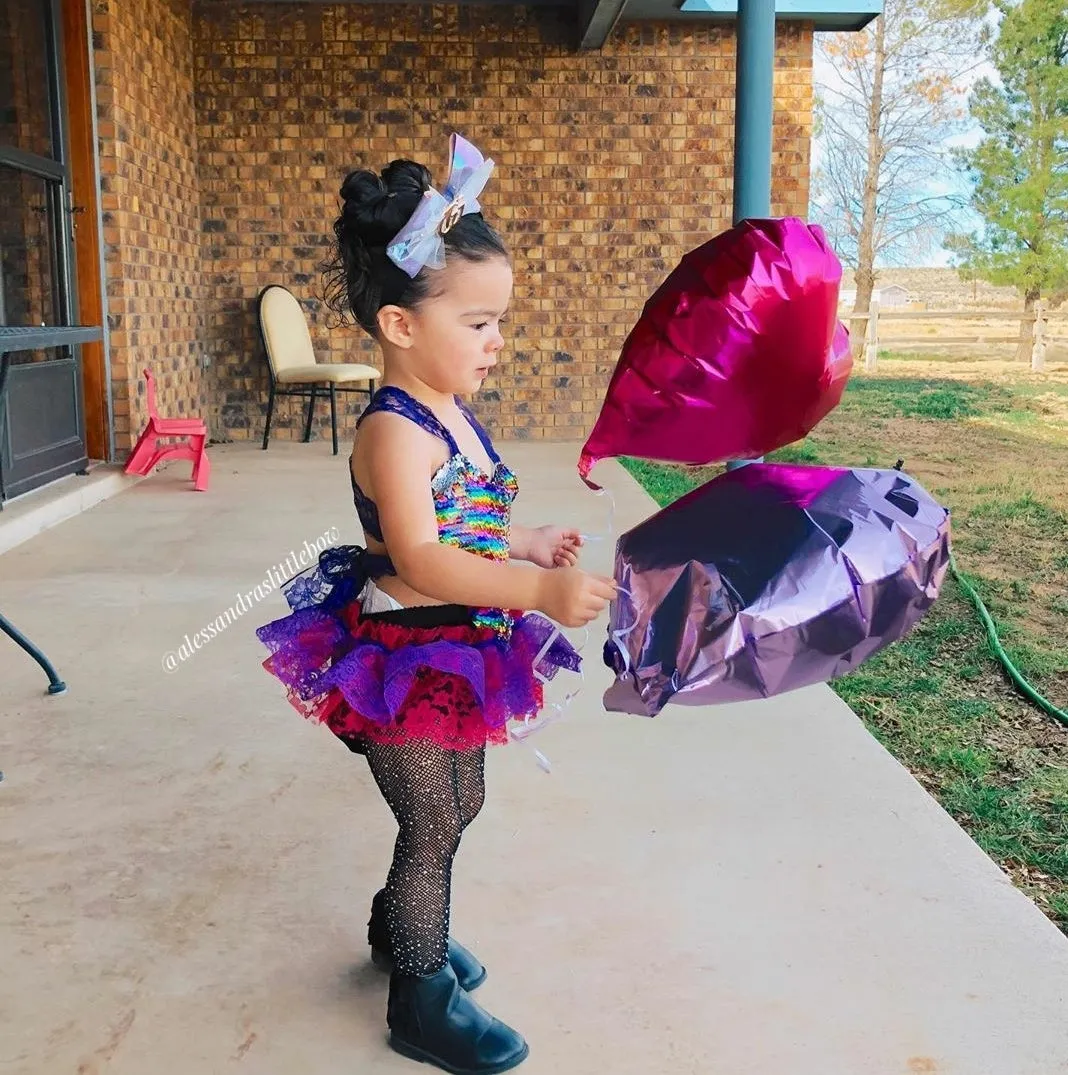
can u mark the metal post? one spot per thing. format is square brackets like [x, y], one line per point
[753, 109]
[754, 82]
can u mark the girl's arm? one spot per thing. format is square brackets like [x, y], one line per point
[400, 460]
[546, 546]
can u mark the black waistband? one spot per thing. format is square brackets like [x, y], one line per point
[425, 616]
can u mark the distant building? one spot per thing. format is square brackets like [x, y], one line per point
[890, 295]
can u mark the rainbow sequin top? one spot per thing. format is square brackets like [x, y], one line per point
[473, 509]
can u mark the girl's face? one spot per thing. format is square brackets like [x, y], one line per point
[456, 334]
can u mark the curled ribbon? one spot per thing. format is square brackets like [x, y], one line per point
[524, 727]
[419, 243]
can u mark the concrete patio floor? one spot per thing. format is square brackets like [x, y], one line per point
[187, 865]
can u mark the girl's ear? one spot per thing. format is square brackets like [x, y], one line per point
[395, 325]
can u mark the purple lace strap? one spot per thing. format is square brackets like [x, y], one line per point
[366, 511]
[338, 578]
[476, 425]
[397, 401]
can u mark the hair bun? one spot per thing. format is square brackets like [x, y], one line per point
[406, 180]
[363, 187]
[377, 207]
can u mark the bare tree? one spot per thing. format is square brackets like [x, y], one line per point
[894, 96]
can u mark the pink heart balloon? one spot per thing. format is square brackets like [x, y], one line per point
[739, 352]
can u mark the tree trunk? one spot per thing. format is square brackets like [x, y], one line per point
[865, 274]
[1023, 348]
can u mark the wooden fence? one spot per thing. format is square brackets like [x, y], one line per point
[1035, 327]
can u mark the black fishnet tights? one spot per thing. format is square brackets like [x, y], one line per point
[434, 794]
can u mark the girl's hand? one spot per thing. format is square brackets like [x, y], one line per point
[572, 598]
[551, 546]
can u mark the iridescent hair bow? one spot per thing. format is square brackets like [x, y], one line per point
[419, 243]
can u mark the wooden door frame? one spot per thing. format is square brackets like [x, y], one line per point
[77, 67]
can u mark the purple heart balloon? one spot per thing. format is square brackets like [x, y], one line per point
[769, 578]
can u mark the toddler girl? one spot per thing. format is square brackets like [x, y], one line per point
[412, 650]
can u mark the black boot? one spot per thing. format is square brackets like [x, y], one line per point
[433, 1020]
[469, 971]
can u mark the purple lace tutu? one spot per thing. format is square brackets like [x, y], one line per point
[433, 673]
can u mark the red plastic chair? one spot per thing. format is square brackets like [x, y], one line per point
[150, 451]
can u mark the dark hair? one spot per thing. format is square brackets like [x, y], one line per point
[360, 278]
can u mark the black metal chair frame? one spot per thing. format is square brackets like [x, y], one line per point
[311, 391]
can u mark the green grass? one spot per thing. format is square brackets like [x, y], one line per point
[939, 399]
[666, 484]
[797, 453]
[935, 700]
[1037, 515]
[938, 699]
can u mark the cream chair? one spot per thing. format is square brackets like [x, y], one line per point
[291, 360]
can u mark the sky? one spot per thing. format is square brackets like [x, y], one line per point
[824, 75]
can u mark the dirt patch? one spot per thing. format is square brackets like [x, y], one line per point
[968, 367]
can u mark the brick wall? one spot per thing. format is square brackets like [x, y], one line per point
[156, 286]
[610, 166]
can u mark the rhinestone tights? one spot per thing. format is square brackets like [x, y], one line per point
[434, 794]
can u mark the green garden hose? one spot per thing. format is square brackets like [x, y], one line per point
[1021, 684]
[1018, 680]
